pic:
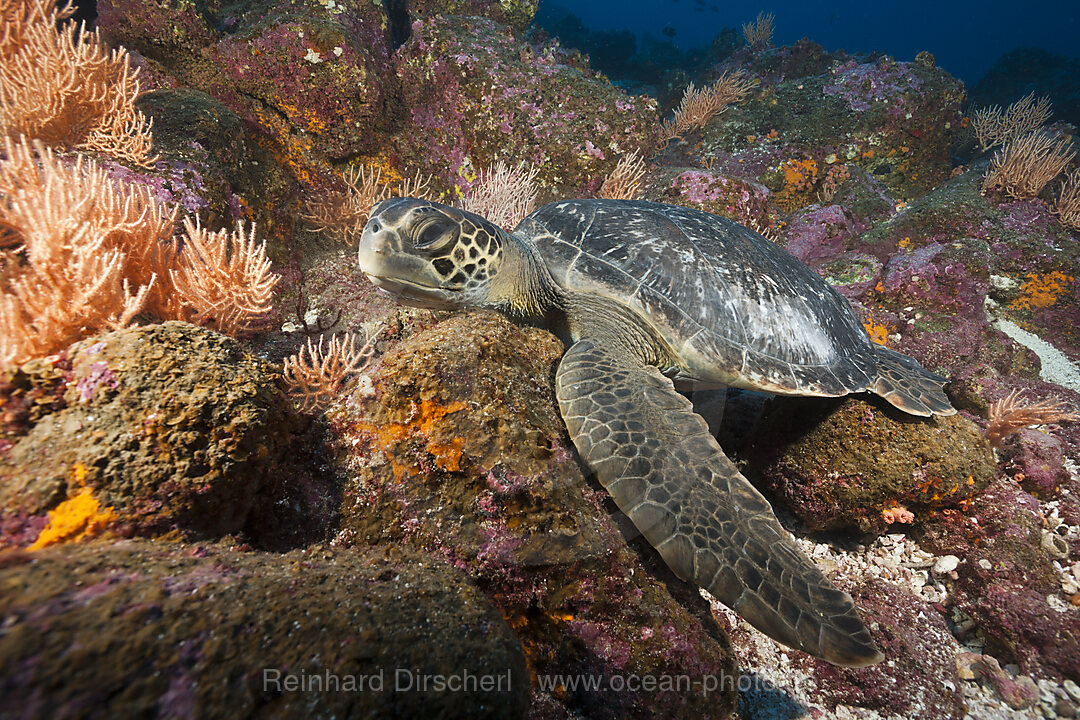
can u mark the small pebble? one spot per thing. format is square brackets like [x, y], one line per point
[946, 564]
[1072, 689]
[1055, 545]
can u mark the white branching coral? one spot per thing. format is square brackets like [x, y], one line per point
[1067, 205]
[81, 253]
[317, 374]
[994, 126]
[223, 279]
[1012, 413]
[343, 214]
[503, 194]
[1025, 165]
[624, 182]
[698, 106]
[759, 33]
[65, 88]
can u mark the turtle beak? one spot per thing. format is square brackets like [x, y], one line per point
[398, 273]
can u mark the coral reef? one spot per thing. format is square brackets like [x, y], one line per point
[428, 508]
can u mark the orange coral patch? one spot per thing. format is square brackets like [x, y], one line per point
[878, 332]
[77, 518]
[1040, 291]
[800, 176]
[425, 417]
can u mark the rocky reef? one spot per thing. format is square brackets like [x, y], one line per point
[460, 452]
[117, 628]
[173, 527]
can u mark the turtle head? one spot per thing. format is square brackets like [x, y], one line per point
[430, 255]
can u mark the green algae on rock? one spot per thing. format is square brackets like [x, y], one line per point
[849, 463]
[155, 628]
[894, 119]
[170, 426]
[460, 452]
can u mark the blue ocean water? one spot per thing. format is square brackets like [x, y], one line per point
[965, 38]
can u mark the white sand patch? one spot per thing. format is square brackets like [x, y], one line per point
[1056, 366]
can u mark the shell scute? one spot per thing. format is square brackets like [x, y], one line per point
[735, 306]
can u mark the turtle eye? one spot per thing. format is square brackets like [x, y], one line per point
[431, 233]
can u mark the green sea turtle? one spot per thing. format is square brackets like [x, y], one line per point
[650, 297]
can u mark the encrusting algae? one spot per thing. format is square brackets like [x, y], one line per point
[78, 518]
[423, 420]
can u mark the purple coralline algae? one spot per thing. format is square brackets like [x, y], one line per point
[1005, 578]
[474, 95]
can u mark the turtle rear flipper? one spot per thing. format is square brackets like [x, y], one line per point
[908, 385]
[664, 469]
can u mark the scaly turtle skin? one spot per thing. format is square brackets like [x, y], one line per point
[648, 297]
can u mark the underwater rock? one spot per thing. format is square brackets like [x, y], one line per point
[858, 463]
[744, 202]
[474, 94]
[460, 452]
[1005, 580]
[145, 431]
[819, 234]
[918, 677]
[211, 165]
[152, 628]
[1037, 459]
[515, 13]
[893, 119]
[314, 79]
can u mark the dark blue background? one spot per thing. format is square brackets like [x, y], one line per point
[966, 38]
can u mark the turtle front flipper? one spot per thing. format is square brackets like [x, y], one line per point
[664, 469]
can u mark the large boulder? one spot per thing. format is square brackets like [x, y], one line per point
[459, 451]
[138, 628]
[862, 464]
[150, 430]
[813, 111]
